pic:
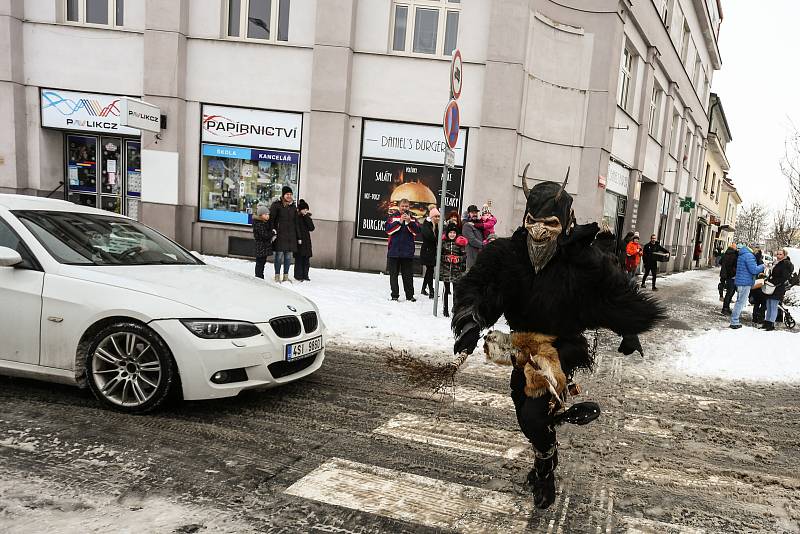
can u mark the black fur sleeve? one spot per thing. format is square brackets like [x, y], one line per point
[476, 295]
[611, 300]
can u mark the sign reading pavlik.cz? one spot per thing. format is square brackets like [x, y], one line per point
[87, 112]
[252, 127]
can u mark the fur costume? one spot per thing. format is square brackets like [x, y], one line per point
[551, 285]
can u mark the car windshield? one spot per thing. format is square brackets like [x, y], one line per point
[89, 239]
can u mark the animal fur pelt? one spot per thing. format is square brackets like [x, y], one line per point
[533, 353]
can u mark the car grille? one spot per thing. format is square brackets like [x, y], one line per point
[310, 321]
[284, 368]
[288, 326]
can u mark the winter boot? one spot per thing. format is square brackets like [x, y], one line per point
[286, 278]
[542, 478]
[278, 278]
[768, 326]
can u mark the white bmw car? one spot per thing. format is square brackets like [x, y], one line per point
[95, 299]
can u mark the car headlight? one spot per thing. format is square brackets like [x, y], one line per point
[221, 329]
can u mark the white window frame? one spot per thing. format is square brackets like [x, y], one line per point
[698, 66]
[686, 38]
[112, 15]
[663, 12]
[244, 9]
[673, 134]
[655, 110]
[625, 78]
[443, 6]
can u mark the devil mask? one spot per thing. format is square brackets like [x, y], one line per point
[548, 214]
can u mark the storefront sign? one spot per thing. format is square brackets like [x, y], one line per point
[409, 142]
[221, 151]
[618, 178]
[87, 112]
[138, 114]
[404, 161]
[252, 127]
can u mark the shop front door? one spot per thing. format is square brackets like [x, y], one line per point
[104, 172]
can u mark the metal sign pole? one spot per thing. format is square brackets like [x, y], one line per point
[439, 234]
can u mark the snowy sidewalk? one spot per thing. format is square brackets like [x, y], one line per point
[357, 311]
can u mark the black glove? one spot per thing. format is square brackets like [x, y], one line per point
[467, 340]
[630, 344]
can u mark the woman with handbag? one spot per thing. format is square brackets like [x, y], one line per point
[775, 286]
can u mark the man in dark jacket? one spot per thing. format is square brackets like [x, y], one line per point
[727, 274]
[305, 225]
[473, 235]
[650, 260]
[283, 213]
[262, 233]
[402, 229]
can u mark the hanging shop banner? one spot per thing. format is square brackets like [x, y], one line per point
[86, 112]
[409, 142]
[618, 178]
[252, 127]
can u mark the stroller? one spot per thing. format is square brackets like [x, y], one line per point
[783, 309]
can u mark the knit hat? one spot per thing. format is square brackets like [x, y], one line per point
[434, 213]
[451, 227]
[635, 234]
[302, 205]
[262, 209]
[286, 189]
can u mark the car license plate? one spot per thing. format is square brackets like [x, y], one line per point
[303, 349]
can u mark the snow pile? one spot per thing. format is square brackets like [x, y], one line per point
[357, 309]
[744, 354]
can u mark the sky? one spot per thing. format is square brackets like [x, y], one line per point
[759, 85]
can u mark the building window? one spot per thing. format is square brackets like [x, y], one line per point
[705, 180]
[426, 26]
[696, 77]
[625, 74]
[673, 134]
[664, 212]
[685, 38]
[655, 110]
[686, 149]
[663, 11]
[99, 12]
[713, 182]
[258, 19]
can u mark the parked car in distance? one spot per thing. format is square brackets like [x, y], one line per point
[97, 299]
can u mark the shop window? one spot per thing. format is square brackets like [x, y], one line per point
[625, 74]
[96, 12]
[258, 20]
[425, 26]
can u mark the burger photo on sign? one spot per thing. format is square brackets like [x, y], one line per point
[418, 195]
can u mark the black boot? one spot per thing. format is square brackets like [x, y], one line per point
[542, 478]
[768, 326]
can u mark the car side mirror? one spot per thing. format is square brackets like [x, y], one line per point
[9, 257]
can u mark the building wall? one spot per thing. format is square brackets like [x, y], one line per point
[541, 80]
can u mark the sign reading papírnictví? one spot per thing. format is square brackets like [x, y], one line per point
[86, 112]
[252, 127]
[404, 161]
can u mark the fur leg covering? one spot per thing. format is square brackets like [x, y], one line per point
[533, 353]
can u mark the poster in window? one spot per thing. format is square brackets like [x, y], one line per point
[384, 183]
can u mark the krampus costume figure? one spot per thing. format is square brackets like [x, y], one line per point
[551, 285]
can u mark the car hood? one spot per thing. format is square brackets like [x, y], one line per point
[220, 293]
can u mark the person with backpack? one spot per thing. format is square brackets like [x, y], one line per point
[305, 225]
[746, 270]
[262, 233]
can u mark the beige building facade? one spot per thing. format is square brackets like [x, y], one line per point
[343, 100]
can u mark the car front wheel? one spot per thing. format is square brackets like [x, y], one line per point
[129, 368]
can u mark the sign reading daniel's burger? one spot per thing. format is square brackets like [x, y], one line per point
[399, 161]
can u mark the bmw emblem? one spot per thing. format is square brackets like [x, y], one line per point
[292, 308]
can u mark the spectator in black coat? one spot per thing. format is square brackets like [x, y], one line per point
[622, 252]
[427, 252]
[727, 276]
[779, 276]
[605, 240]
[650, 259]
[759, 254]
[283, 213]
[262, 233]
[305, 225]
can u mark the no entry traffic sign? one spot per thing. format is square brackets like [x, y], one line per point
[452, 120]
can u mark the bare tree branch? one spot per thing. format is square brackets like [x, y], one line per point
[751, 224]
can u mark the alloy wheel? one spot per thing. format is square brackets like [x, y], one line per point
[126, 369]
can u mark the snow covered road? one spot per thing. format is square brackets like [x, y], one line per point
[351, 449]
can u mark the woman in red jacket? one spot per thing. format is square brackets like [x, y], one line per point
[633, 254]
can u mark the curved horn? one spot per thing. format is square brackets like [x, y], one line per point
[525, 181]
[563, 186]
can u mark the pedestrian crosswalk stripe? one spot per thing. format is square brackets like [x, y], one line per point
[453, 435]
[417, 499]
